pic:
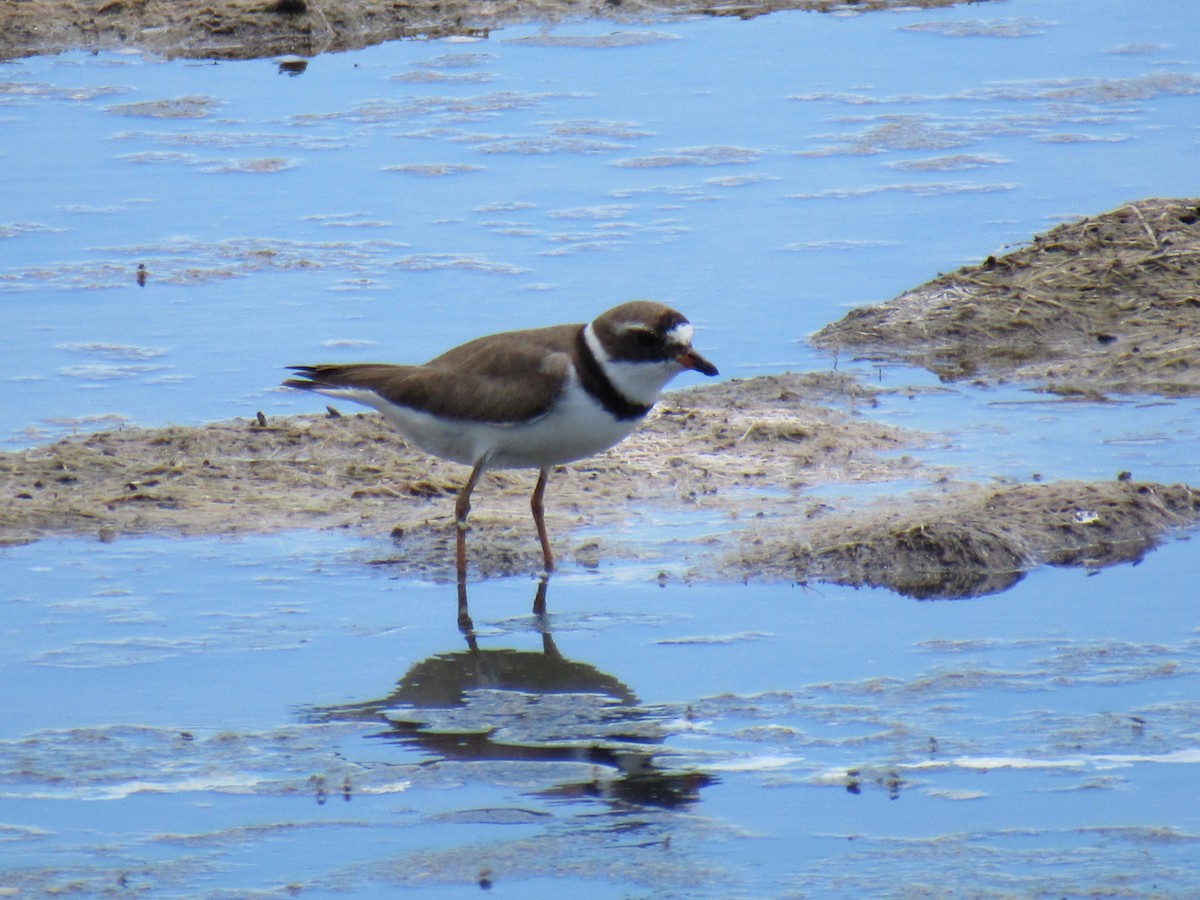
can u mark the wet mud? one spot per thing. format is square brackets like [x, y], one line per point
[1108, 304]
[252, 29]
[970, 540]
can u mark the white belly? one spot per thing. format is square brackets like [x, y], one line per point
[577, 426]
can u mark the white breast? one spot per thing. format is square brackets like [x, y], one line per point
[576, 427]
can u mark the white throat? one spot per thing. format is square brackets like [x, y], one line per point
[637, 382]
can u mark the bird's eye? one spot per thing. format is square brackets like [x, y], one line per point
[645, 338]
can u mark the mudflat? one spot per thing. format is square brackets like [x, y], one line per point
[253, 29]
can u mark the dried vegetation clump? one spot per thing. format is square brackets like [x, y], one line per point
[1107, 304]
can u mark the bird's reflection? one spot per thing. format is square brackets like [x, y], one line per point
[529, 706]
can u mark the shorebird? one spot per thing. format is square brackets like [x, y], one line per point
[524, 399]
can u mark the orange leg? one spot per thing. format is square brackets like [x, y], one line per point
[465, 625]
[535, 504]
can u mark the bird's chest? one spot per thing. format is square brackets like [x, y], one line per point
[575, 427]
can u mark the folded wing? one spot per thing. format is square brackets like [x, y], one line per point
[481, 381]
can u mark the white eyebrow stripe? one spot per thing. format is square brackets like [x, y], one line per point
[680, 334]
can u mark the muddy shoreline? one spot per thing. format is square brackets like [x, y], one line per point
[253, 29]
[737, 459]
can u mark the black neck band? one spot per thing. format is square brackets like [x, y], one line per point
[596, 383]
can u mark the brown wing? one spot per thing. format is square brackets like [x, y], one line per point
[490, 379]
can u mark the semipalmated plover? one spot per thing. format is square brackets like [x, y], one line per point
[535, 398]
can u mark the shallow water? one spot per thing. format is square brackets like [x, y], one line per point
[213, 715]
[254, 713]
[762, 175]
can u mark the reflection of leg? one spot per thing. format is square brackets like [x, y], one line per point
[548, 646]
[462, 509]
[535, 503]
[472, 642]
[539, 599]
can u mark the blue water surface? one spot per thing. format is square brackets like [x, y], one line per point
[214, 717]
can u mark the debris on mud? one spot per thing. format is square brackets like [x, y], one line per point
[1108, 304]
